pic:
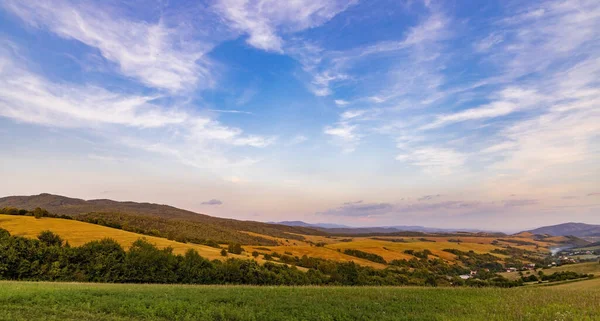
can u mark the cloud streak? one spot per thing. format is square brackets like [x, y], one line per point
[212, 202]
[30, 98]
[264, 21]
[152, 53]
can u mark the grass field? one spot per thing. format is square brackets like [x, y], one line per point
[79, 233]
[586, 268]
[71, 301]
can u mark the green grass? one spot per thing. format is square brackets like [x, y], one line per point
[586, 268]
[72, 301]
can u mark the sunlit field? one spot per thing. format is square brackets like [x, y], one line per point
[78, 233]
[388, 247]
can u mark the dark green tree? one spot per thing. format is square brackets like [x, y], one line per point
[50, 239]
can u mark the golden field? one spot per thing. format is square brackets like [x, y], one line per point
[78, 233]
[334, 246]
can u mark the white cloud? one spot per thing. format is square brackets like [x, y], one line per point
[352, 114]
[191, 138]
[298, 139]
[509, 101]
[265, 20]
[153, 53]
[344, 135]
[341, 102]
[26, 97]
[433, 160]
[488, 42]
[343, 131]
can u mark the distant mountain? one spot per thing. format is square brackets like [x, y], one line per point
[315, 225]
[574, 229]
[168, 220]
[342, 229]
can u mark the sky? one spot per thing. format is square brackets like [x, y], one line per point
[450, 114]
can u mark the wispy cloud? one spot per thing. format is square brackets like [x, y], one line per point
[212, 202]
[429, 197]
[30, 98]
[298, 139]
[341, 102]
[434, 160]
[521, 202]
[344, 135]
[359, 209]
[153, 53]
[264, 21]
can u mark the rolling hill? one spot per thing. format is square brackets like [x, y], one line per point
[159, 220]
[574, 229]
[78, 233]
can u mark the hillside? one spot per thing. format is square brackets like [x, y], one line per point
[574, 229]
[78, 233]
[168, 220]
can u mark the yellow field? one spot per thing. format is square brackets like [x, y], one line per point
[391, 250]
[78, 233]
[314, 251]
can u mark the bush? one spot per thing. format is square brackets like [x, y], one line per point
[50, 238]
[235, 248]
[365, 255]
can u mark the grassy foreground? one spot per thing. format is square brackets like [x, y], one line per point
[72, 301]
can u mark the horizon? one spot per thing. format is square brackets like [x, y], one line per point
[458, 229]
[421, 113]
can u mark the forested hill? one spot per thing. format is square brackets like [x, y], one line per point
[165, 219]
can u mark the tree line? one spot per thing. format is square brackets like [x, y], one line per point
[49, 258]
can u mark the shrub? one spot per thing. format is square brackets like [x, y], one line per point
[50, 239]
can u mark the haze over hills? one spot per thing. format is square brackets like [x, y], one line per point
[344, 229]
[571, 228]
[314, 225]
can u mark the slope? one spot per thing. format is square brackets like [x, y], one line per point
[574, 229]
[78, 233]
[212, 228]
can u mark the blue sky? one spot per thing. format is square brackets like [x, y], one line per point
[437, 113]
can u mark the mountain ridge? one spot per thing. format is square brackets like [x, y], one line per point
[166, 219]
[569, 228]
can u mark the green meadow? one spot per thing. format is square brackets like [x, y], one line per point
[88, 301]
